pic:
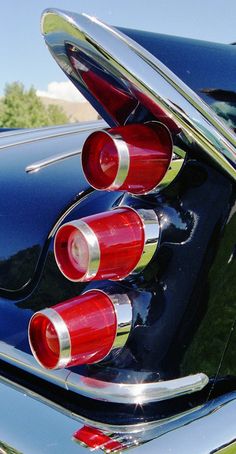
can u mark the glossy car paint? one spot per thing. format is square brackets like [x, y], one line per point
[184, 215]
[184, 309]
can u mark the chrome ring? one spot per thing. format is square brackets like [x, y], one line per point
[176, 162]
[151, 229]
[93, 250]
[152, 234]
[62, 334]
[123, 160]
[123, 311]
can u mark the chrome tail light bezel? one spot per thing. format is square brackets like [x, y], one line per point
[123, 315]
[121, 180]
[151, 229]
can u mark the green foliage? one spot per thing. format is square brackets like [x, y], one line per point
[21, 108]
[210, 340]
[4, 448]
[56, 115]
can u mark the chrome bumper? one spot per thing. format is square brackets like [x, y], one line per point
[31, 424]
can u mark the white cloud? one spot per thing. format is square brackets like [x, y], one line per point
[62, 90]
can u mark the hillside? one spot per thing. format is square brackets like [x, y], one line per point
[75, 111]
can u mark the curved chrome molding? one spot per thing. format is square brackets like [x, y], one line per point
[134, 393]
[62, 334]
[83, 127]
[145, 75]
[34, 135]
[93, 248]
[36, 166]
[152, 233]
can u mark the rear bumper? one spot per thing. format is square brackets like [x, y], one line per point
[32, 424]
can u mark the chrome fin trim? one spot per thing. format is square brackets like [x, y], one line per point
[142, 73]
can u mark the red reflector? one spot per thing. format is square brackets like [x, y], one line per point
[108, 245]
[115, 100]
[94, 438]
[133, 158]
[82, 330]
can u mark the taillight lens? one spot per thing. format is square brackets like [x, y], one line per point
[95, 439]
[82, 330]
[133, 158]
[108, 245]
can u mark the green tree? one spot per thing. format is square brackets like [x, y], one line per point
[21, 108]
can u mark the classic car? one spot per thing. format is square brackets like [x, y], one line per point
[117, 269]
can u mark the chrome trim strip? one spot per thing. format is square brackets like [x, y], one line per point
[28, 363]
[39, 134]
[93, 248]
[145, 74]
[41, 130]
[41, 164]
[152, 233]
[116, 429]
[63, 337]
[36, 166]
[134, 393]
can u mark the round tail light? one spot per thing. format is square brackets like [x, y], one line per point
[108, 245]
[133, 158]
[82, 330]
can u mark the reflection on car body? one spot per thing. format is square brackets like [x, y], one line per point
[161, 241]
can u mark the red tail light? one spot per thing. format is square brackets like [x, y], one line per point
[82, 330]
[133, 158]
[108, 245]
[95, 439]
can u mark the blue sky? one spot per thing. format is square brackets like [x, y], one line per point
[24, 56]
